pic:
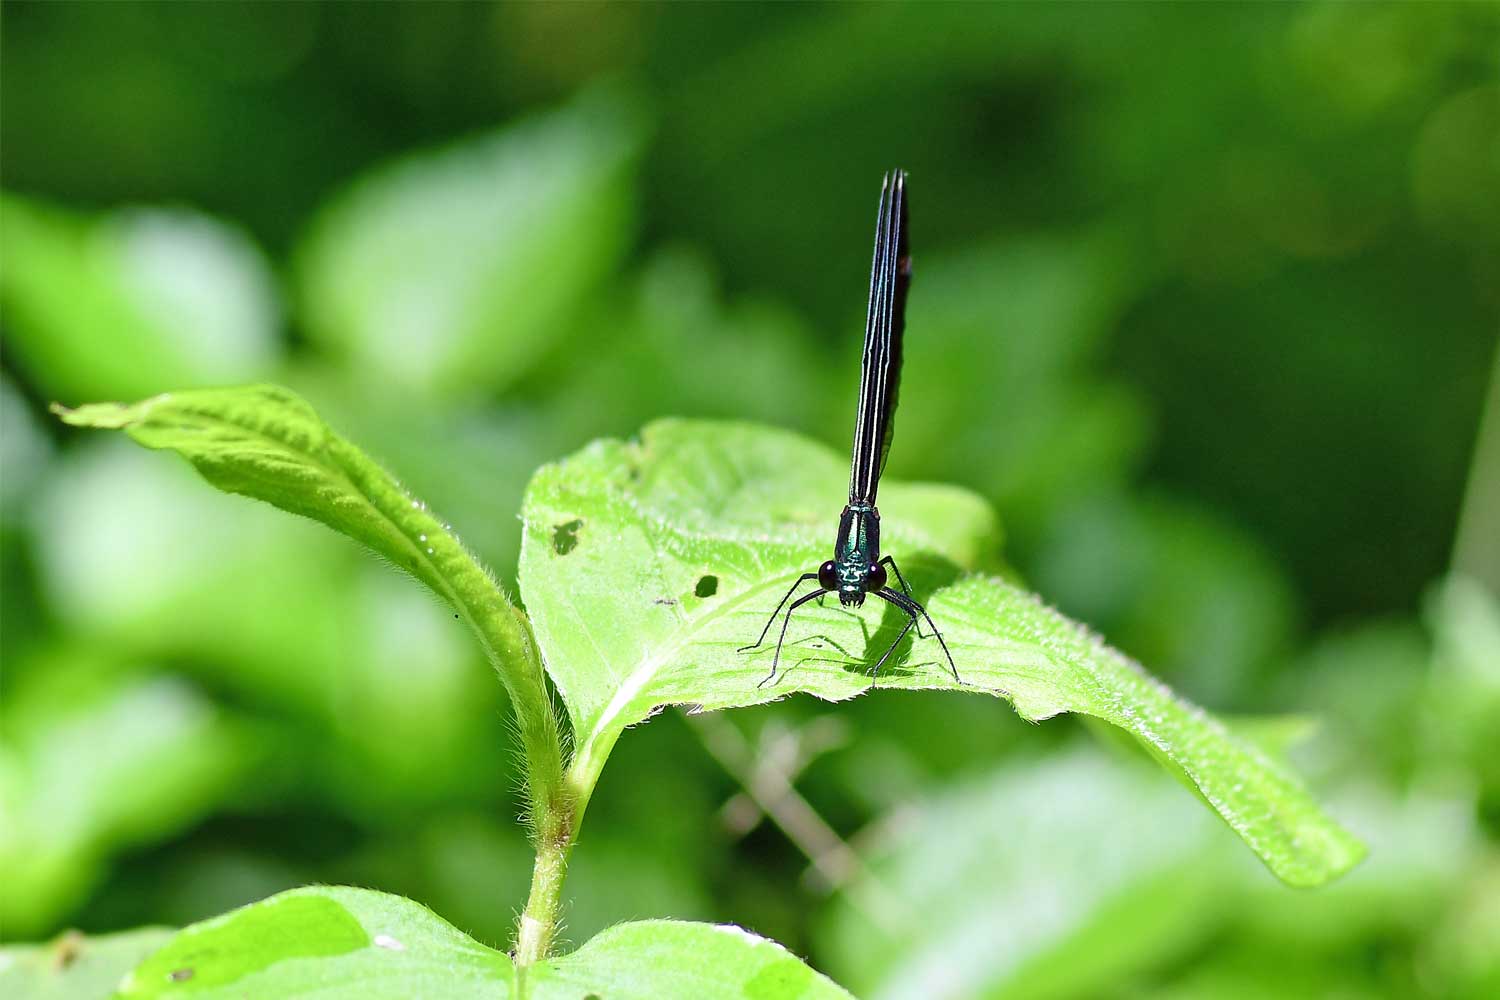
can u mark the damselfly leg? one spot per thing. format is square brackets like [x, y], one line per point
[891, 562]
[914, 609]
[772, 620]
[781, 640]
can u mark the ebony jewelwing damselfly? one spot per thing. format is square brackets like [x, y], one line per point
[857, 567]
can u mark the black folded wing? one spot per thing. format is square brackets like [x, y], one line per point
[880, 373]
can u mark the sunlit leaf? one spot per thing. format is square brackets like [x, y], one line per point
[456, 268]
[133, 302]
[675, 960]
[645, 565]
[327, 942]
[336, 943]
[75, 967]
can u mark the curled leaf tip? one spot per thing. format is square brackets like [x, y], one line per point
[104, 416]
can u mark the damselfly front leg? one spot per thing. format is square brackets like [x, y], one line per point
[772, 620]
[875, 671]
[913, 609]
[891, 562]
[775, 660]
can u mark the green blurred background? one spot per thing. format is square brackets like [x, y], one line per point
[1206, 303]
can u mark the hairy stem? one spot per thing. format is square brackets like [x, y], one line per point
[550, 800]
[538, 925]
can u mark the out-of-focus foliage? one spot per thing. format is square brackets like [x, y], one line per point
[1204, 303]
[449, 271]
[77, 968]
[133, 302]
[1024, 879]
[95, 764]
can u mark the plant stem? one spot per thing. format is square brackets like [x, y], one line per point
[1476, 548]
[550, 800]
[538, 924]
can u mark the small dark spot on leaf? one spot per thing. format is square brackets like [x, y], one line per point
[708, 586]
[180, 975]
[666, 600]
[565, 537]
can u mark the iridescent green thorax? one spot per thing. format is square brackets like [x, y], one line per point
[856, 551]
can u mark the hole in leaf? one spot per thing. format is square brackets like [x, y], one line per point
[180, 975]
[565, 537]
[708, 586]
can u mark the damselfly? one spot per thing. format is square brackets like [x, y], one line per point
[857, 567]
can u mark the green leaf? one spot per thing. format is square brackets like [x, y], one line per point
[266, 442]
[633, 555]
[1058, 877]
[325, 942]
[75, 967]
[135, 301]
[645, 565]
[676, 960]
[334, 943]
[457, 269]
